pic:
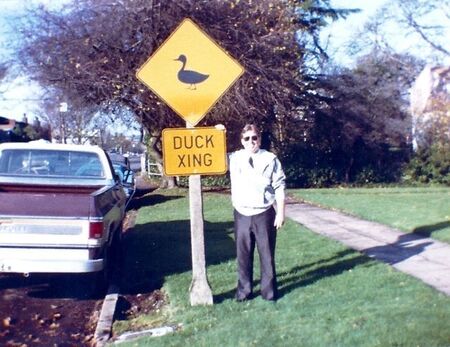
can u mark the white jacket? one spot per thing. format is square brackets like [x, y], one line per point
[255, 189]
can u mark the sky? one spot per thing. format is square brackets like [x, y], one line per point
[19, 97]
[340, 32]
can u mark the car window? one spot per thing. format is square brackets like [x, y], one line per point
[40, 162]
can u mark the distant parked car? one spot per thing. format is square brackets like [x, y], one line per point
[117, 158]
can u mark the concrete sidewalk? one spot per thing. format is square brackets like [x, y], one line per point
[421, 257]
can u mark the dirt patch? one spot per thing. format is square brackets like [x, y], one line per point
[36, 311]
[132, 306]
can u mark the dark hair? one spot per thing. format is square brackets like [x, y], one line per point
[250, 127]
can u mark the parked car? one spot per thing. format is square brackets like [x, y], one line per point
[62, 209]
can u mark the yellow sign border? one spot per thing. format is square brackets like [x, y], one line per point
[190, 130]
[212, 41]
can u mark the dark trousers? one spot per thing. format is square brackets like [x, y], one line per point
[249, 230]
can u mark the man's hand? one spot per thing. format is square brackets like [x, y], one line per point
[279, 217]
[279, 220]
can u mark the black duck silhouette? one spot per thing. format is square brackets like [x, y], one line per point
[188, 76]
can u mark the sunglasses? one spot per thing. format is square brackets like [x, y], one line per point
[254, 138]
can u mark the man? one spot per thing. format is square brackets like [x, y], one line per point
[257, 182]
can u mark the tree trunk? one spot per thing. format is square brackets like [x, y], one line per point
[155, 153]
[349, 169]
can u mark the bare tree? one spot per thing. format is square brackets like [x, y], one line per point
[3, 74]
[93, 49]
[429, 20]
[3, 71]
[425, 22]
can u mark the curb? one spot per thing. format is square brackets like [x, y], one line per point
[154, 332]
[104, 324]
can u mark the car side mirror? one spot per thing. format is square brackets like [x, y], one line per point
[129, 176]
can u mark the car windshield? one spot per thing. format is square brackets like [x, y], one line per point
[38, 162]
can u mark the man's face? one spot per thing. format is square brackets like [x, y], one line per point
[251, 141]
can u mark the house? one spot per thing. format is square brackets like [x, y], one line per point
[430, 106]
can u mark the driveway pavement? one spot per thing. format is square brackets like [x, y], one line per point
[418, 256]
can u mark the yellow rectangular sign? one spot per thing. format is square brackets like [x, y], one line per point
[194, 151]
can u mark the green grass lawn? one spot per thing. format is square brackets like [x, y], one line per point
[423, 210]
[330, 295]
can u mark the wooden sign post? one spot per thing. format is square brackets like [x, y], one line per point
[199, 291]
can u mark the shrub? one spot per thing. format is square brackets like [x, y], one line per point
[210, 181]
[431, 165]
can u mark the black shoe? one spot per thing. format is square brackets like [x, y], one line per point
[243, 298]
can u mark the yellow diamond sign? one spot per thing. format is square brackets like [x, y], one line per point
[190, 72]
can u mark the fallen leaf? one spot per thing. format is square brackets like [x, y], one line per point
[54, 325]
[6, 322]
